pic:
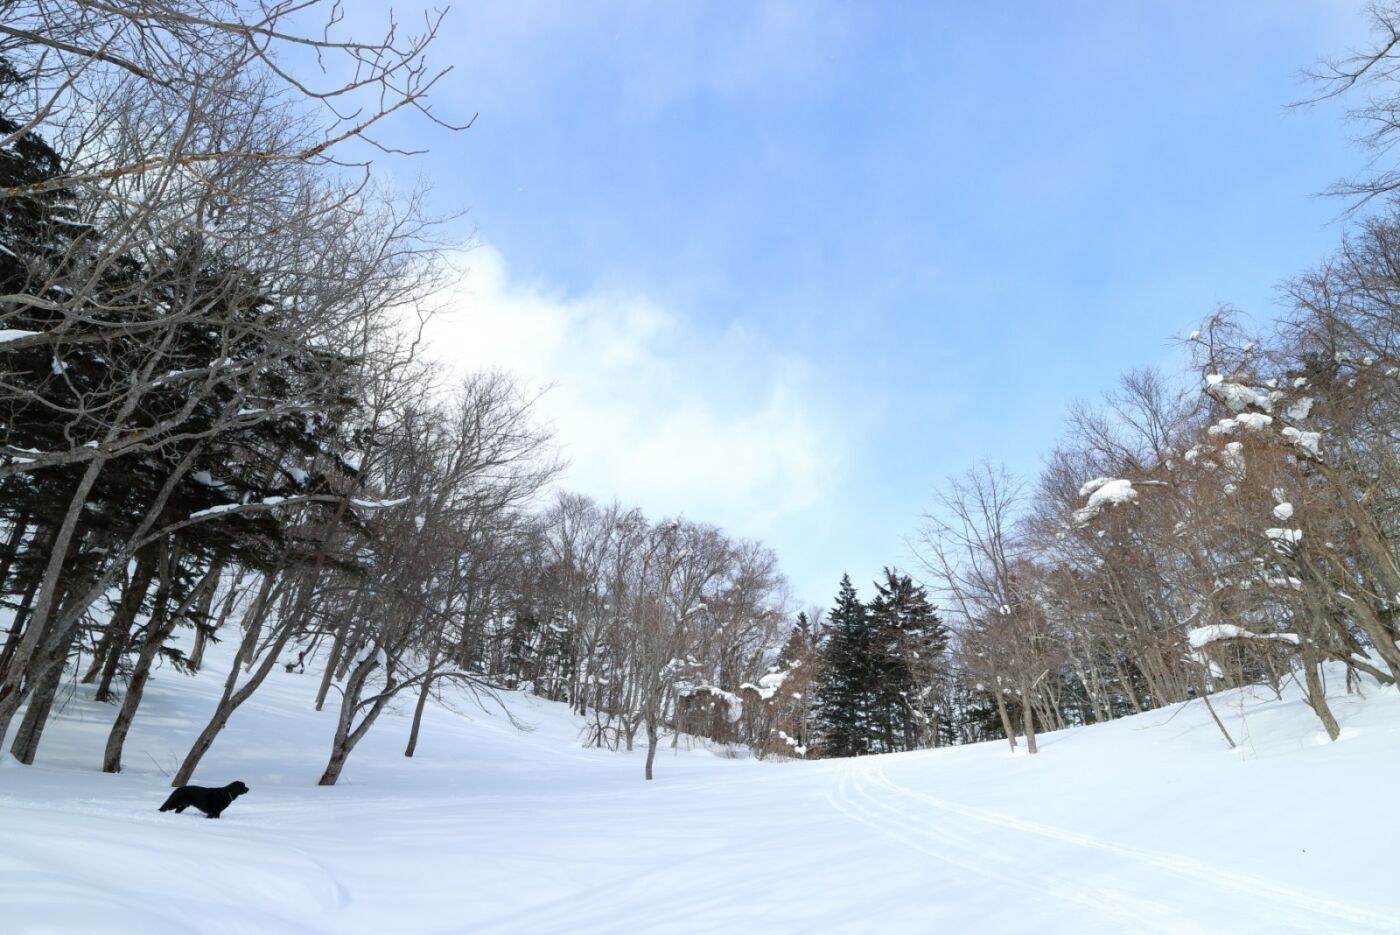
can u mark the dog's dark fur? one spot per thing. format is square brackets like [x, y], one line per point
[209, 801]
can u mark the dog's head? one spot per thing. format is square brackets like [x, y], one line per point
[236, 789]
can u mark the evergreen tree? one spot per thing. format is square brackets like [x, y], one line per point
[909, 643]
[237, 404]
[846, 692]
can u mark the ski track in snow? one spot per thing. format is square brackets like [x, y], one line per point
[1152, 827]
[962, 835]
[851, 796]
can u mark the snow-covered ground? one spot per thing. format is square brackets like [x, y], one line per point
[1145, 825]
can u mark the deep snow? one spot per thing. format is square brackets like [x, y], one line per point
[1145, 825]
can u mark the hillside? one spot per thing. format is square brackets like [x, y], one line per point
[1147, 824]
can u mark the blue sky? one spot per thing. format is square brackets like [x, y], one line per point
[789, 264]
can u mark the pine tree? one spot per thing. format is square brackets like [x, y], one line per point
[909, 643]
[847, 688]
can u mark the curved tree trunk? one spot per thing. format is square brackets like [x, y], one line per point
[651, 747]
[14, 688]
[203, 610]
[41, 699]
[346, 735]
[117, 634]
[332, 663]
[1317, 694]
[158, 629]
[230, 700]
[418, 715]
[135, 691]
[1205, 697]
[42, 678]
[423, 693]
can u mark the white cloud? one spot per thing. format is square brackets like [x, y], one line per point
[647, 406]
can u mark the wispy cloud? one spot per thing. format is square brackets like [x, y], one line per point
[647, 406]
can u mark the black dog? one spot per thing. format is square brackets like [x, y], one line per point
[209, 801]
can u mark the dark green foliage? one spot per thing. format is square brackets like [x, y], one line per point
[177, 370]
[846, 692]
[884, 666]
[909, 641]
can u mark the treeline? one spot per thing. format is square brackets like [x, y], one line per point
[645, 628]
[215, 424]
[1239, 526]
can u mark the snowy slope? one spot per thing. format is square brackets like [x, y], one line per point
[1144, 825]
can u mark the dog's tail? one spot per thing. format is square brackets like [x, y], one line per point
[170, 802]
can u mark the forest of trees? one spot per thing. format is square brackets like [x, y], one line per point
[217, 426]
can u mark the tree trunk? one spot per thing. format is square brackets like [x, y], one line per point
[1128, 688]
[135, 689]
[434, 655]
[1381, 639]
[1095, 710]
[339, 753]
[1317, 694]
[109, 632]
[420, 706]
[201, 641]
[343, 669]
[651, 747]
[332, 663]
[31, 727]
[158, 629]
[231, 700]
[202, 613]
[1006, 720]
[41, 685]
[346, 738]
[117, 635]
[13, 687]
[1028, 719]
[1205, 697]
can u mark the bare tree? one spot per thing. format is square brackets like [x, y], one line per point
[224, 273]
[978, 560]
